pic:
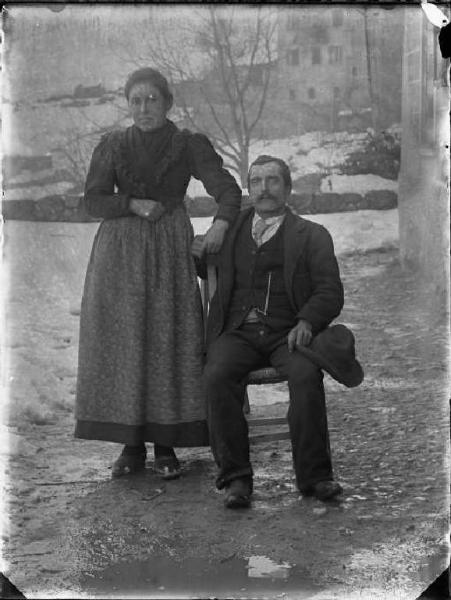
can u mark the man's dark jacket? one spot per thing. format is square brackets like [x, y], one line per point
[311, 274]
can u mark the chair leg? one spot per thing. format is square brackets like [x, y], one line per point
[246, 406]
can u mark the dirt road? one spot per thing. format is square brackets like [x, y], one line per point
[75, 532]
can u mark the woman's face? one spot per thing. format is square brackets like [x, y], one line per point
[148, 106]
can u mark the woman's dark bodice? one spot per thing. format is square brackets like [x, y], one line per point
[157, 165]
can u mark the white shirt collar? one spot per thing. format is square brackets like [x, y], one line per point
[269, 220]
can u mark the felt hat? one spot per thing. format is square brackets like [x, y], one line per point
[333, 349]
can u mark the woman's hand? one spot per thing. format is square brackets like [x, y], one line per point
[215, 236]
[146, 208]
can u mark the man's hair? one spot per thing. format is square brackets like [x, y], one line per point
[284, 168]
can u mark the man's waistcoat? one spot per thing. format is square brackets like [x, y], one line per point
[259, 281]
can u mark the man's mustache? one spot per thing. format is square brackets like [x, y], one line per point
[266, 196]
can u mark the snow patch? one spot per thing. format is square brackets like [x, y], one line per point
[357, 184]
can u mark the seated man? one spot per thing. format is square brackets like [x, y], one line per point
[278, 287]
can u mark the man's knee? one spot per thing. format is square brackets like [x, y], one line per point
[216, 373]
[302, 371]
[223, 388]
[219, 369]
[227, 362]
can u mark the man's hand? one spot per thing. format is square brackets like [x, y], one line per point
[197, 247]
[300, 335]
[146, 208]
[215, 236]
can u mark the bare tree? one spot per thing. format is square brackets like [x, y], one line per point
[383, 41]
[73, 145]
[221, 63]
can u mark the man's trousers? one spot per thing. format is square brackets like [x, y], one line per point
[229, 359]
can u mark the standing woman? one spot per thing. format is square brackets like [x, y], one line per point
[140, 351]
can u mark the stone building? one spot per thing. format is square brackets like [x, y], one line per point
[333, 68]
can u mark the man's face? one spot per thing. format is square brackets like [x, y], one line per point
[267, 190]
[148, 107]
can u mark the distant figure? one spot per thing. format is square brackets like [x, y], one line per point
[278, 290]
[141, 339]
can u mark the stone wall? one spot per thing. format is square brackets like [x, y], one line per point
[70, 207]
[314, 203]
[50, 208]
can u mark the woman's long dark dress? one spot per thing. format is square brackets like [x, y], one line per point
[140, 350]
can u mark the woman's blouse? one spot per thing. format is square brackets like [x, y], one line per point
[156, 165]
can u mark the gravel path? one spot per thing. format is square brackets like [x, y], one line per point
[74, 532]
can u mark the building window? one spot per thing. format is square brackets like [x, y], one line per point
[311, 93]
[336, 93]
[335, 54]
[293, 56]
[354, 71]
[337, 18]
[320, 33]
[316, 55]
[292, 94]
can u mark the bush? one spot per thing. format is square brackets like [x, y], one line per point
[301, 203]
[327, 203]
[352, 201]
[380, 155]
[308, 184]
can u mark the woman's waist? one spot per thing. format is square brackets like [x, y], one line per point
[168, 202]
[177, 213]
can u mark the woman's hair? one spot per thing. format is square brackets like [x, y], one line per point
[155, 77]
[284, 168]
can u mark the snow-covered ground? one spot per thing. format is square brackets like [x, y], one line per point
[357, 184]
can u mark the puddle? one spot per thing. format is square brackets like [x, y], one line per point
[166, 577]
[262, 566]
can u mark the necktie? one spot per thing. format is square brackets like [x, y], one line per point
[260, 227]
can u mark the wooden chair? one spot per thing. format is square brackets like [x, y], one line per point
[263, 376]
